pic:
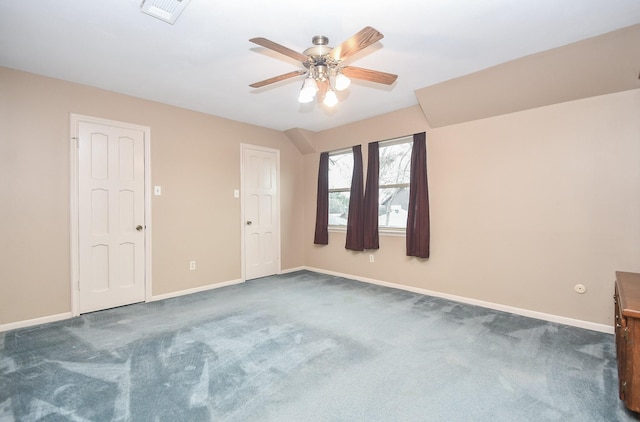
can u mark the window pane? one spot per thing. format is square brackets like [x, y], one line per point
[393, 206]
[395, 164]
[338, 208]
[340, 171]
[395, 169]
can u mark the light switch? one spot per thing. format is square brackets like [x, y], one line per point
[236, 193]
[157, 190]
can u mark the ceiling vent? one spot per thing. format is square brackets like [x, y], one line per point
[165, 10]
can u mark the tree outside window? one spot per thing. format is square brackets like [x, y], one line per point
[340, 173]
[395, 178]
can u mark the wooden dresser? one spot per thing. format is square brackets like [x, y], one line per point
[627, 334]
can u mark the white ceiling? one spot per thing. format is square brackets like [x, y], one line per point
[205, 62]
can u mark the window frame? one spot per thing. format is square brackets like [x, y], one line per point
[342, 151]
[386, 230]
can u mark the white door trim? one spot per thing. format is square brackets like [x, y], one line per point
[74, 203]
[243, 147]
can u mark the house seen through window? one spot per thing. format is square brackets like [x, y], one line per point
[393, 195]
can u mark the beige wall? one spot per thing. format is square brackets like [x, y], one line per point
[523, 206]
[194, 157]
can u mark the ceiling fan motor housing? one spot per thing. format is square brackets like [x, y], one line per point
[319, 50]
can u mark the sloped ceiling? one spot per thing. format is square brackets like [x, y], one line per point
[600, 65]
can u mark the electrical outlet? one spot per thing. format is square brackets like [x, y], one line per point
[371, 259]
[192, 265]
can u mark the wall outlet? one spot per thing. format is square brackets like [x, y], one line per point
[157, 190]
[192, 265]
[371, 259]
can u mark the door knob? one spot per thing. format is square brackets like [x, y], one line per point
[249, 223]
[139, 227]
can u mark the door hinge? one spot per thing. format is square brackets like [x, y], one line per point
[78, 285]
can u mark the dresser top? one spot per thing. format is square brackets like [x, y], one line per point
[629, 291]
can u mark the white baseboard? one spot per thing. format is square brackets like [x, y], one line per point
[292, 270]
[67, 315]
[510, 309]
[35, 321]
[496, 306]
[195, 290]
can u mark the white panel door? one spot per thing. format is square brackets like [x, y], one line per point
[111, 216]
[261, 204]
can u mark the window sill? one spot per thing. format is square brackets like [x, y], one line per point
[381, 232]
[392, 232]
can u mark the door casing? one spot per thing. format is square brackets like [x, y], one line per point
[75, 210]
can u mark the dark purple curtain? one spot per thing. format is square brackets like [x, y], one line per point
[355, 219]
[371, 236]
[418, 230]
[322, 205]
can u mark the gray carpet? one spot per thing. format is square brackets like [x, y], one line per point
[307, 347]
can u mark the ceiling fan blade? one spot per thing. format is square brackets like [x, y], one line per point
[323, 87]
[263, 42]
[369, 75]
[359, 41]
[278, 78]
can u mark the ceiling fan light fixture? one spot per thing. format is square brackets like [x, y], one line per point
[309, 86]
[308, 90]
[330, 98]
[305, 98]
[341, 82]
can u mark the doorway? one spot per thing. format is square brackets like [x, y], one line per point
[110, 214]
[261, 211]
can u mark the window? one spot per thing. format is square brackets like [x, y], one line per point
[340, 173]
[395, 178]
[396, 199]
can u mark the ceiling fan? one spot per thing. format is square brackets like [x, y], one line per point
[323, 66]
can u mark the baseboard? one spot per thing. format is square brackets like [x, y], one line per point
[518, 311]
[496, 306]
[35, 321]
[195, 290]
[292, 270]
[67, 315]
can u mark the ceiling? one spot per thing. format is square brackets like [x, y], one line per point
[205, 62]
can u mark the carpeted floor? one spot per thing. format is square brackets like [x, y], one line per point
[307, 347]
